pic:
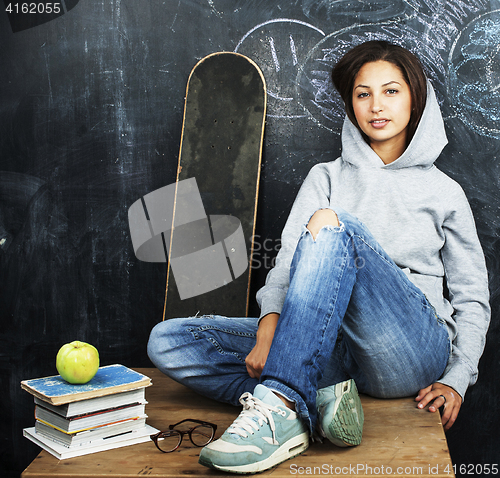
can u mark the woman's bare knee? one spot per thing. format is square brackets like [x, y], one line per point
[321, 218]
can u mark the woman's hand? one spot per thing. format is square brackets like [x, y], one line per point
[257, 357]
[452, 402]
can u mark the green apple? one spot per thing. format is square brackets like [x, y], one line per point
[77, 362]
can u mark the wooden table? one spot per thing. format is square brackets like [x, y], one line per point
[398, 440]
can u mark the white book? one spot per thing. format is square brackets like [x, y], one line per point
[93, 420]
[85, 437]
[95, 404]
[62, 452]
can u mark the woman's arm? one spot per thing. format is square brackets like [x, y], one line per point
[256, 359]
[467, 283]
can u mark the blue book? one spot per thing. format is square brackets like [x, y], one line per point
[108, 380]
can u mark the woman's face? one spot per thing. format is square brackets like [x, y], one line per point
[382, 105]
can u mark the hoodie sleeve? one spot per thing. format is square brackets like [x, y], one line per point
[314, 194]
[467, 282]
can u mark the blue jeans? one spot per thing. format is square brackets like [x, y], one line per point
[349, 312]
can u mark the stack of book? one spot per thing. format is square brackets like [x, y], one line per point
[107, 412]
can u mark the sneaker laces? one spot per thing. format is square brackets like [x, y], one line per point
[255, 413]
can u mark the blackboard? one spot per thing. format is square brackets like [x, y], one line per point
[91, 111]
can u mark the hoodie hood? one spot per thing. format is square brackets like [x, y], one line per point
[420, 152]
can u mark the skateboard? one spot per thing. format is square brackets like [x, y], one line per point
[219, 162]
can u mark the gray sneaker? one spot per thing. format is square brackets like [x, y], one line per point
[340, 414]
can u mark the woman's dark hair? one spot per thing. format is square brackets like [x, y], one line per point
[345, 71]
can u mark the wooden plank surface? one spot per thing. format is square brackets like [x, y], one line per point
[398, 440]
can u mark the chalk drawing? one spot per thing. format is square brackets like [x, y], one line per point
[274, 54]
[474, 75]
[278, 52]
[293, 50]
[297, 57]
[363, 11]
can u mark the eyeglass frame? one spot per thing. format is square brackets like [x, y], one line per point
[182, 433]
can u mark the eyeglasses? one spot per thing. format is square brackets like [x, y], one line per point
[200, 435]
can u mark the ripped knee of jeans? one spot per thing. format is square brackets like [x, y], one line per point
[323, 218]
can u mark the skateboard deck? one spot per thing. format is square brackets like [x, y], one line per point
[220, 156]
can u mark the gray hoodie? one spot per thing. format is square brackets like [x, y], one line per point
[422, 219]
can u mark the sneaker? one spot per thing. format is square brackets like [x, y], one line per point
[265, 434]
[340, 413]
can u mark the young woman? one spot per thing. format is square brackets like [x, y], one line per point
[356, 299]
